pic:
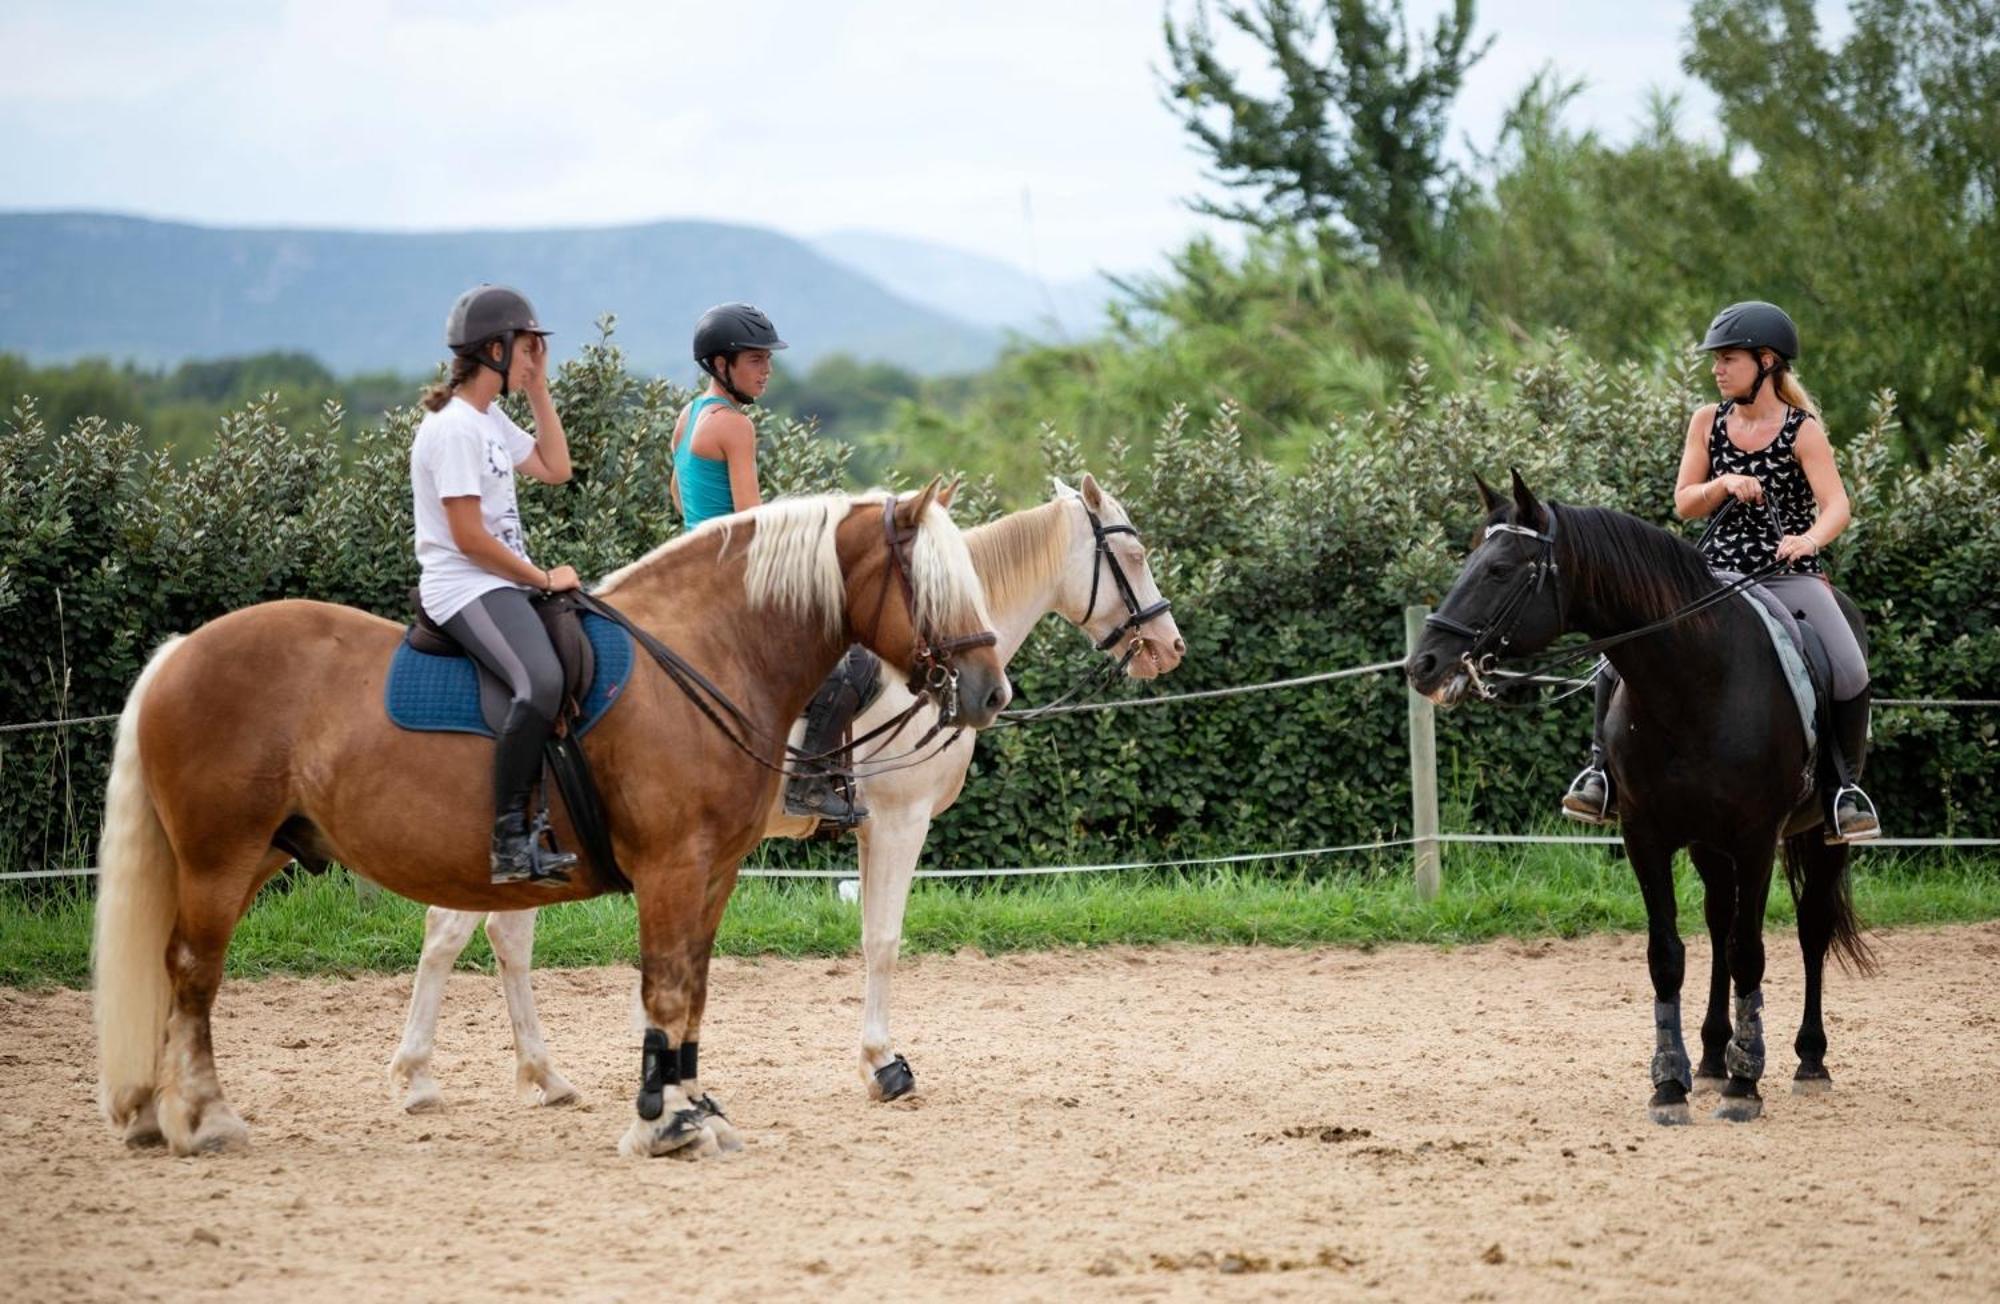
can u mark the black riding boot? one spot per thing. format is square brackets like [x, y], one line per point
[1850, 814]
[816, 792]
[1589, 799]
[518, 855]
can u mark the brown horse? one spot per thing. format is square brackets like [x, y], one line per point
[265, 729]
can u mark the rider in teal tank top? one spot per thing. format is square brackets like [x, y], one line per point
[733, 344]
[704, 481]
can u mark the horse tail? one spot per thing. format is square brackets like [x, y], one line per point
[1821, 885]
[137, 901]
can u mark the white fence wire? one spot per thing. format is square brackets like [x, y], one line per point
[1243, 858]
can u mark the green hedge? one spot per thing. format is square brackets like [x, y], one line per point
[105, 549]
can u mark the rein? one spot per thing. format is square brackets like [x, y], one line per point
[1489, 641]
[1134, 623]
[932, 677]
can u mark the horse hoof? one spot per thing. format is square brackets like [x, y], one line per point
[220, 1133]
[704, 1146]
[648, 1139]
[424, 1098]
[1740, 1102]
[894, 1080]
[142, 1132]
[1813, 1083]
[1669, 1105]
[727, 1139]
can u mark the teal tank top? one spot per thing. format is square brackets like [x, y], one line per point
[704, 480]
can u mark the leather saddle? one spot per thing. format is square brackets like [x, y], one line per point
[563, 620]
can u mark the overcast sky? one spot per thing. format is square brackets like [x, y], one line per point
[1030, 130]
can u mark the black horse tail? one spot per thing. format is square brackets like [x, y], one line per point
[1822, 891]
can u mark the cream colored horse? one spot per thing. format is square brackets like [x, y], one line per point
[1046, 559]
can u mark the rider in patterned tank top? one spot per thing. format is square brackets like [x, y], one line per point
[1762, 454]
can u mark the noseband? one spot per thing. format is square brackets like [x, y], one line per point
[1136, 615]
[932, 672]
[1489, 641]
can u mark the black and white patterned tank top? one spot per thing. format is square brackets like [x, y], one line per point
[1744, 542]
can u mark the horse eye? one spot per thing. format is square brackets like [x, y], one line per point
[1499, 572]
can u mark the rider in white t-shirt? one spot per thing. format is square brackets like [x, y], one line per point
[477, 578]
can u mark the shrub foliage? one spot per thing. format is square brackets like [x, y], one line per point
[107, 548]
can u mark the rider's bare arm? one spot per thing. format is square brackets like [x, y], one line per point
[1815, 454]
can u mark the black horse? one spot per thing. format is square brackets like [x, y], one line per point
[1705, 747]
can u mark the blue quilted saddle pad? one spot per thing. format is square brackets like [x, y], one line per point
[441, 694]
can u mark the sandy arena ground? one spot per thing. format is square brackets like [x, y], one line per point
[1409, 1123]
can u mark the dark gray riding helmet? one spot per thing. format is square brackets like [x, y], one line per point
[1753, 325]
[490, 312]
[726, 330]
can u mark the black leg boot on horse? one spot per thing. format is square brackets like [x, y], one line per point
[846, 692]
[1850, 814]
[518, 853]
[1590, 799]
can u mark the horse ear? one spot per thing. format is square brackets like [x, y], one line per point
[1489, 501]
[946, 494]
[911, 508]
[1093, 496]
[1527, 511]
[1062, 490]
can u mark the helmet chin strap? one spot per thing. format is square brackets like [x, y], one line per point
[1764, 370]
[506, 364]
[722, 378]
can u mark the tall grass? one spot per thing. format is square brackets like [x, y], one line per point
[322, 925]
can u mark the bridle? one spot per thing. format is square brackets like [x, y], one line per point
[933, 672]
[1137, 615]
[933, 677]
[1490, 640]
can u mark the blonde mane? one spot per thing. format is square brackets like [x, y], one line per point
[793, 562]
[1017, 556]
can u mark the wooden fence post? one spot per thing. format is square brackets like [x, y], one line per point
[1423, 769]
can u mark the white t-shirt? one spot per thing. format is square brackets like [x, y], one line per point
[460, 451]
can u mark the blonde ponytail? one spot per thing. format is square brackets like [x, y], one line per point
[1793, 394]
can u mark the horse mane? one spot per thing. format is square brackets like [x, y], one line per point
[1632, 563]
[793, 561]
[1019, 554]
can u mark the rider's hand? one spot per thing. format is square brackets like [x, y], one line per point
[538, 363]
[1743, 488]
[1794, 546]
[563, 578]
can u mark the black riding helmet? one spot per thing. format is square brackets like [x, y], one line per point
[490, 312]
[1755, 325]
[725, 331]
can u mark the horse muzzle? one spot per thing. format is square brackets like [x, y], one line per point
[977, 697]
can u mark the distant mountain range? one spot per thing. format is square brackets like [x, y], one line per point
[984, 291]
[94, 284]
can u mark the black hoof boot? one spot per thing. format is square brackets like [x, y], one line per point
[1740, 1102]
[1669, 1105]
[895, 1079]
